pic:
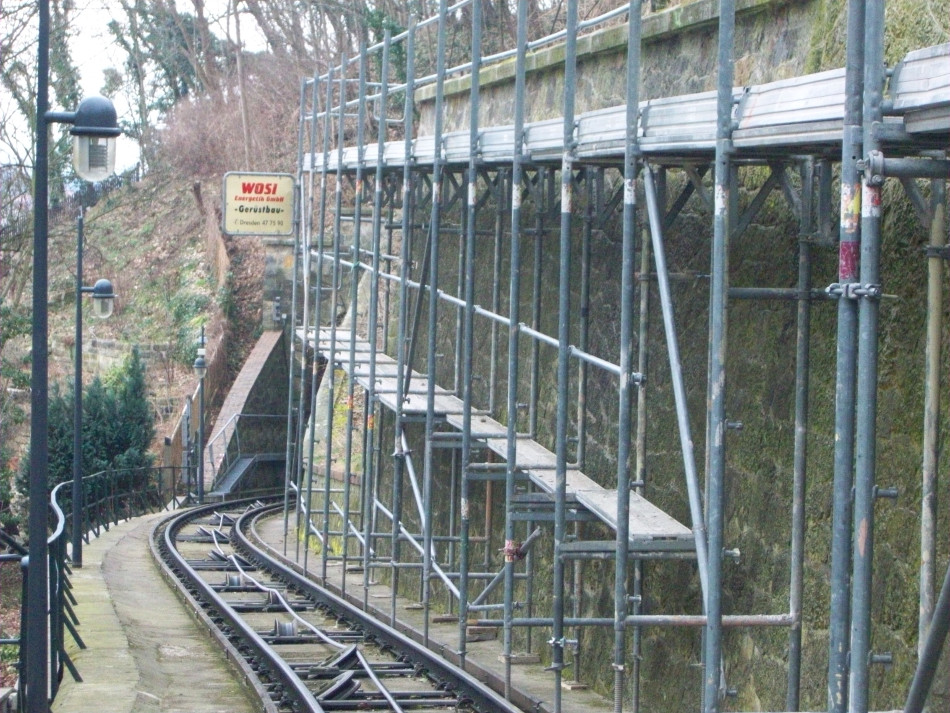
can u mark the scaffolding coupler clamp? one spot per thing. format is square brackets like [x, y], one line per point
[854, 290]
[873, 167]
[512, 551]
[938, 251]
[876, 167]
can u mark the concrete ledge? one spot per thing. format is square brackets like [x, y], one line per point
[656, 27]
[144, 653]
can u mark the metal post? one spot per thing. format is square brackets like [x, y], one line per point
[369, 472]
[849, 245]
[640, 475]
[435, 222]
[514, 311]
[583, 337]
[353, 310]
[544, 189]
[304, 229]
[928, 510]
[290, 452]
[800, 458]
[679, 386]
[201, 428]
[334, 301]
[930, 652]
[317, 297]
[866, 404]
[462, 230]
[626, 385]
[37, 671]
[77, 530]
[468, 329]
[716, 423]
[186, 448]
[563, 353]
[501, 206]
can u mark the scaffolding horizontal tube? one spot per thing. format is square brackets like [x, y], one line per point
[407, 536]
[573, 351]
[775, 293]
[654, 620]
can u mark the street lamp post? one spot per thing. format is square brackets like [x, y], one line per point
[36, 676]
[201, 369]
[103, 301]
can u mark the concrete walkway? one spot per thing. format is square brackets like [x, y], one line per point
[145, 653]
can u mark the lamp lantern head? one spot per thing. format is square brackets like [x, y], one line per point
[103, 299]
[95, 128]
[201, 366]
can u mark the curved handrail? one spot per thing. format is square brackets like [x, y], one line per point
[109, 496]
[58, 511]
[229, 440]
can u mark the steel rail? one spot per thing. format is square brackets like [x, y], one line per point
[280, 683]
[480, 696]
[203, 596]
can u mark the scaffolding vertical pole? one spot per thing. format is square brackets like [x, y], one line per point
[354, 299]
[309, 285]
[501, 196]
[849, 238]
[545, 179]
[318, 298]
[866, 403]
[563, 352]
[460, 290]
[583, 336]
[514, 314]
[468, 326]
[800, 458]
[435, 222]
[928, 510]
[305, 231]
[640, 475]
[334, 298]
[716, 396]
[369, 472]
[289, 451]
[930, 651]
[679, 385]
[626, 386]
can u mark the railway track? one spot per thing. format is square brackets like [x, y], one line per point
[301, 648]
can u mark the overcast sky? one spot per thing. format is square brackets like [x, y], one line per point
[93, 51]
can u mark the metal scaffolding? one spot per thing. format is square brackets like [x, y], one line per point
[405, 246]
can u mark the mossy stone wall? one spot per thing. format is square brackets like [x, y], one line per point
[775, 39]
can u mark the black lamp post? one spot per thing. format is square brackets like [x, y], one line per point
[201, 369]
[91, 124]
[103, 299]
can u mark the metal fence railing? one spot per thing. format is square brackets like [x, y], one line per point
[110, 497]
[244, 435]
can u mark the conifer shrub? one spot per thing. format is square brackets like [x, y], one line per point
[117, 426]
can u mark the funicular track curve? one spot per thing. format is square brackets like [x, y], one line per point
[317, 653]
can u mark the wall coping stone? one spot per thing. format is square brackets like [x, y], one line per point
[656, 27]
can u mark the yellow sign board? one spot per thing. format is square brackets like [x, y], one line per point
[258, 204]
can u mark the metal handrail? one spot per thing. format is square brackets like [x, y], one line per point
[228, 438]
[109, 497]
